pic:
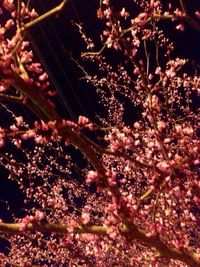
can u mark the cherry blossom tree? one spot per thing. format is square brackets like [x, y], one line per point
[102, 191]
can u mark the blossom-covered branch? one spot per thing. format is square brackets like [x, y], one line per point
[131, 231]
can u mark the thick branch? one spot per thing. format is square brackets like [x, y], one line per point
[13, 228]
[33, 94]
[164, 250]
[131, 231]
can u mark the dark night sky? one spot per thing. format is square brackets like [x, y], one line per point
[53, 39]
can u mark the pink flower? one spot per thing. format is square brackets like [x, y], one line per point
[85, 217]
[17, 142]
[91, 177]
[170, 73]
[90, 126]
[141, 18]
[150, 144]
[22, 226]
[39, 215]
[52, 124]
[164, 166]
[180, 27]
[123, 13]
[9, 24]
[3, 88]
[43, 77]
[137, 125]
[39, 140]
[52, 93]
[177, 191]
[27, 57]
[8, 4]
[178, 13]
[161, 125]
[178, 128]
[82, 120]
[106, 2]
[112, 233]
[19, 120]
[14, 128]
[197, 13]
[33, 13]
[188, 131]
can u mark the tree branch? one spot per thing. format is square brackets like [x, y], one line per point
[186, 18]
[11, 98]
[53, 11]
[129, 230]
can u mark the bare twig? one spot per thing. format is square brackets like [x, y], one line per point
[11, 98]
[46, 15]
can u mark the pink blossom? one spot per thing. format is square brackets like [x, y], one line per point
[141, 19]
[164, 166]
[3, 88]
[17, 142]
[39, 215]
[178, 13]
[27, 57]
[178, 128]
[19, 120]
[188, 130]
[33, 13]
[180, 27]
[14, 128]
[43, 77]
[91, 177]
[106, 2]
[9, 24]
[82, 120]
[85, 218]
[161, 125]
[2, 143]
[197, 13]
[8, 4]
[123, 13]
[39, 140]
[52, 93]
[137, 125]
